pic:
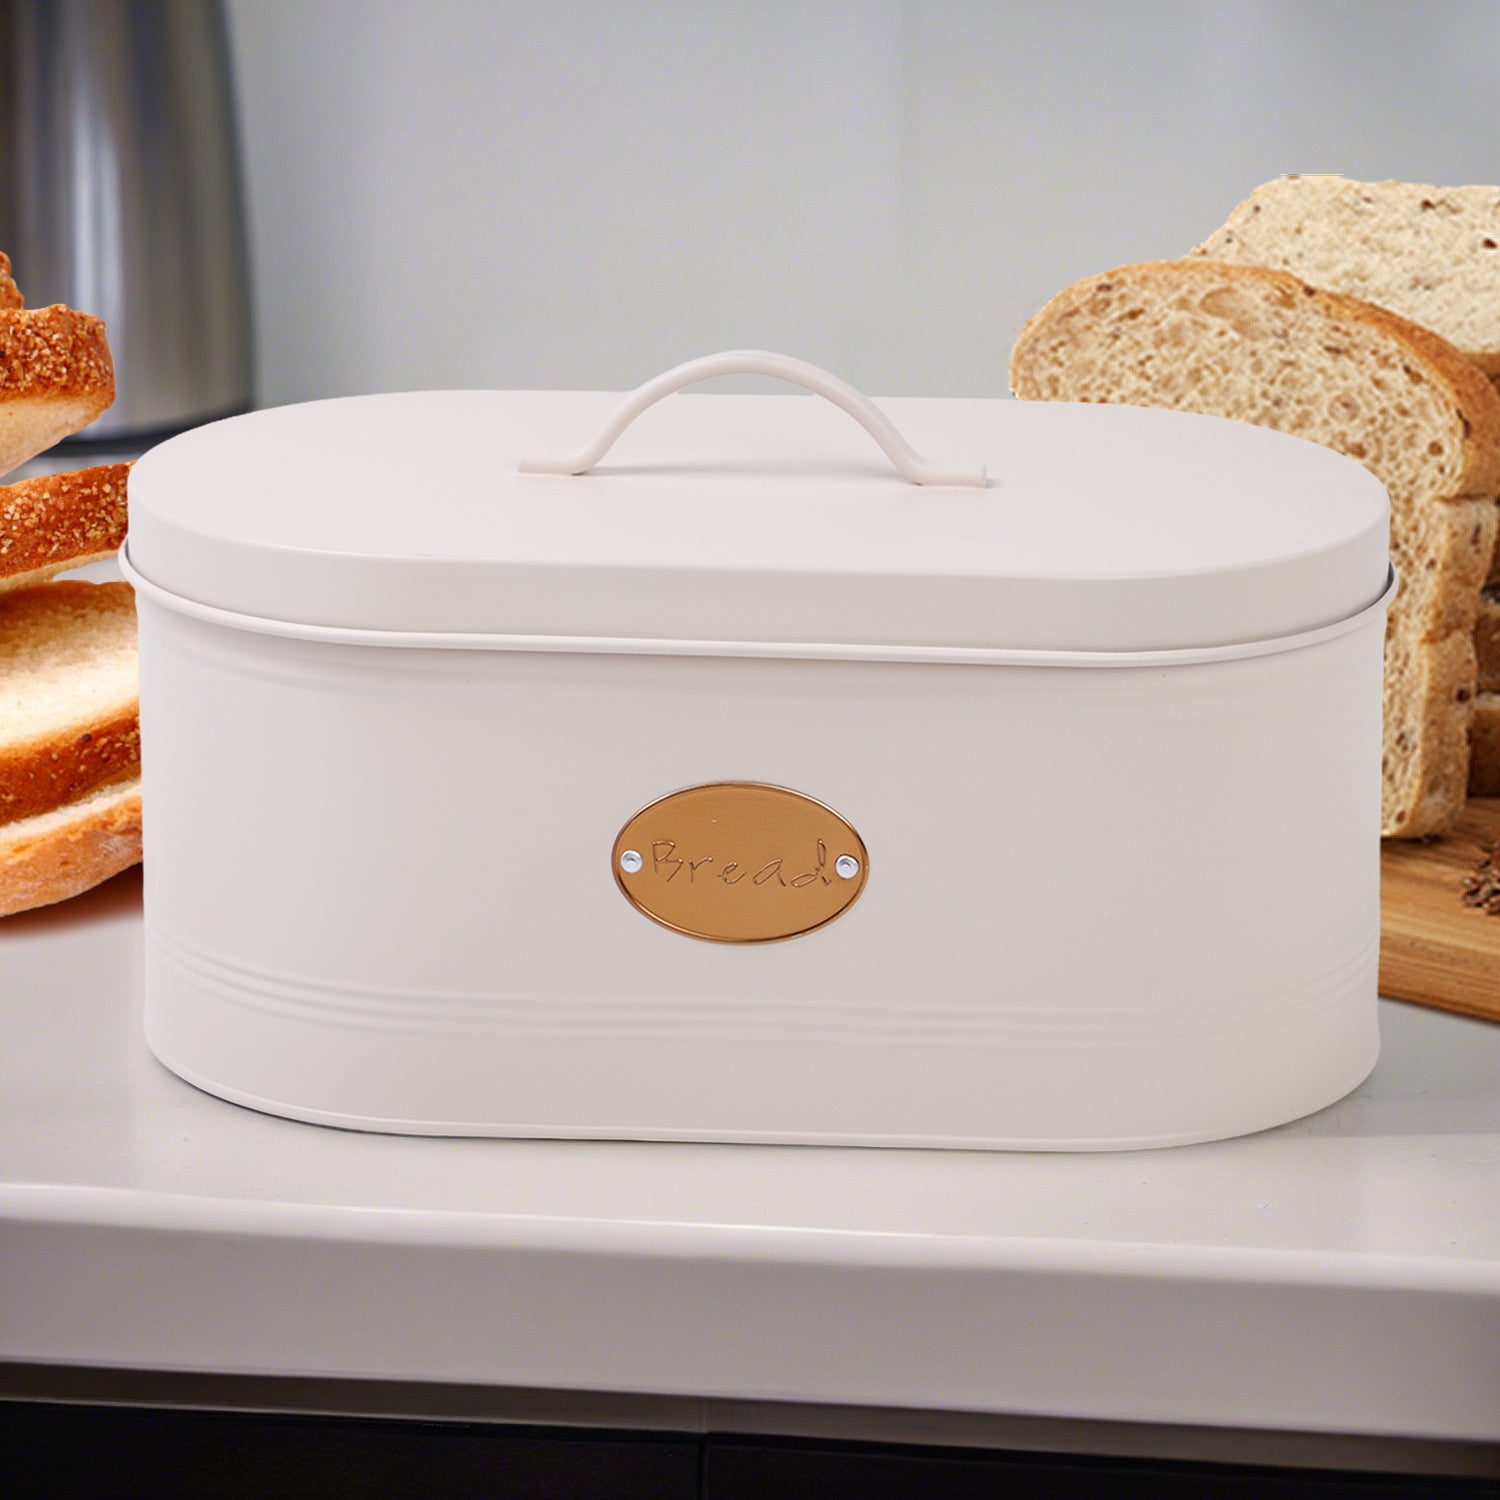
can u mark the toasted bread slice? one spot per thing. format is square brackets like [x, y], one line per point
[1263, 347]
[69, 710]
[60, 521]
[56, 376]
[60, 854]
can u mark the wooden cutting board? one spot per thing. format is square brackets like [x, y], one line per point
[1433, 948]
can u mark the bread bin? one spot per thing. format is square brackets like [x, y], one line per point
[724, 778]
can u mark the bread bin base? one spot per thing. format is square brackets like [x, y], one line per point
[523, 1131]
[1058, 949]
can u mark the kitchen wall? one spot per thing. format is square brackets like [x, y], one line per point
[578, 193]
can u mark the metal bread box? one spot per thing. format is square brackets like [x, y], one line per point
[547, 764]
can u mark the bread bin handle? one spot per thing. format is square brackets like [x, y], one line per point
[758, 362]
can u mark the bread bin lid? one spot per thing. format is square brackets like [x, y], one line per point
[761, 518]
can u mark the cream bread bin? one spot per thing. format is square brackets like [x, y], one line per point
[542, 764]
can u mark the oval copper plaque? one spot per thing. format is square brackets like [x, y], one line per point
[738, 862]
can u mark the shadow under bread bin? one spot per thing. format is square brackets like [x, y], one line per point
[753, 786]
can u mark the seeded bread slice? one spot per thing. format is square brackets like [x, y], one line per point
[69, 710]
[1431, 254]
[1261, 346]
[60, 521]
[60, 854]
[56, 374]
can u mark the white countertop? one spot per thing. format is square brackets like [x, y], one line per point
[1340, 1274]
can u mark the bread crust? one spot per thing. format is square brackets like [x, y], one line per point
[1469, 391]
[10, 293]
[50, 859]
[56, 376]
[1427, 252]
[60, 521]
[54, 352]
[1428, 710]
[44, 774]
[1442, 567]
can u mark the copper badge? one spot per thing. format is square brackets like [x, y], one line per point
[739, 862]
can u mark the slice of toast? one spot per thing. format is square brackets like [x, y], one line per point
[1430, 254]
[1261, 346]
[59, 854]
[60, 521]
[69, 709]
[56, 377]
[56, 374]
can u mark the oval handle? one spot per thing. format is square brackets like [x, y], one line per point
[759, 362]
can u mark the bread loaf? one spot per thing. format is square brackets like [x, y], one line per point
[1430, 254]
[1262, 346]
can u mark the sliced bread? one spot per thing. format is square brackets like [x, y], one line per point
[56, 376]
[60, 521]
[69, 711]
[60, 854]
[1431, 254]
[1487, 641]
[1484, 769]
[1484, 765]
[1261, 346]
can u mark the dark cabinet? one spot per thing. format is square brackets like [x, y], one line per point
[783, 1470]
[81, 1452]
[111, 1453]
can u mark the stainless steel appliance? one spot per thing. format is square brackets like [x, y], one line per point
[120, 194]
